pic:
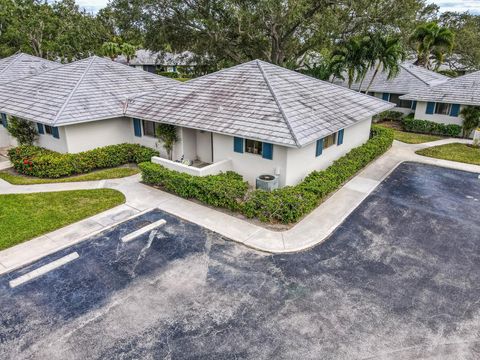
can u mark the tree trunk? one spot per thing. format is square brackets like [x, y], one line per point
[373, 77]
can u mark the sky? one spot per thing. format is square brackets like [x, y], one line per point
[445, 5]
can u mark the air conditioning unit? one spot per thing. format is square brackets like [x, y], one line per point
[267, 182]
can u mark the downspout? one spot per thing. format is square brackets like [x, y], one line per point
[211, 144]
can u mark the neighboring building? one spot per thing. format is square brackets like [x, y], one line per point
[79, 106]
[16, 67]
[443, 103]
[156, 62]
[257, 118]
[410, 78]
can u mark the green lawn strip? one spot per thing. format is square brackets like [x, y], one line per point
[454, 152]
[414, 138]
[113, 173]
[25, 216]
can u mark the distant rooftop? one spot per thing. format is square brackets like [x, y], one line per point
[410, 78]
[461, 90]
[147, 57]
[260, 101]
[86, 90]
[21, 65]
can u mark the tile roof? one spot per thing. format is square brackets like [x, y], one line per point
[410, 78]
[21, 65]
[462, 90]
[84, 90]
[260, 101]
[147, 57]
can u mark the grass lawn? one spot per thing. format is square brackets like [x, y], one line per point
[113, 173]
[455, 152]
[25, 216]
[408, 137]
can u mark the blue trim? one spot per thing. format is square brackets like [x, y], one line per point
[41, 129]
[267, 151]
[238, 145]
[4, 120]
[319, 147]
[340, 137]
[137, 127]
[386, 96]
[455, 110]
[430, 107]
[55, 133]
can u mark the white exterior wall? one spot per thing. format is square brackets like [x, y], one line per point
[49, 142]
[250, 165]
[91, 135]
[406, 111]
[6, 139]
[301, 162]
[421, 114]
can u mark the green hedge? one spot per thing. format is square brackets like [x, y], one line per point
[389, 115]
[225, 190]
[43, 163]
[286, 205]
[430, 127]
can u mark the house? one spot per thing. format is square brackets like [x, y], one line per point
[257, 118]
[79, 106]
[156, 62]
[410, 78]
[443, 103]
[16, 67]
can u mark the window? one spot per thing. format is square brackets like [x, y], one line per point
[443, 109]
[329, 140]
[149, 128]
[48, 130]
[371, 93]
[395, 98]
[253, 147]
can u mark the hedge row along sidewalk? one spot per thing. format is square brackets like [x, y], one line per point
[285, 205]
[43, 163]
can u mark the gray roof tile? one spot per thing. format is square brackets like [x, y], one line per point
[22, 65]
[260, 101]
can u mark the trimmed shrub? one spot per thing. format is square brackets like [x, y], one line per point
[286, 205]
[389, 115]
[43, 163]
[430, 127]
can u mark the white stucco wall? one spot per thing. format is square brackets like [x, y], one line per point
[406, 111]
[91, 135]
[249, 165]
[5, 139]
[301, 162]
[204, 145]
[421, 114]
[49, 142]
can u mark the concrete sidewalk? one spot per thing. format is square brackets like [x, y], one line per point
[310, 231]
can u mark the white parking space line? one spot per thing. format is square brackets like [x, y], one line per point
[43, 269]
[143, 230]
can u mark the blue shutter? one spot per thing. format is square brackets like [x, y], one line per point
[238, 145]
[319, 148]
[430, 107]
[455, 110]
[386, 96]
[55, 133]
[41, 130]
[414, 105]
[4, 120]
[267, 151]
[137, 127]
[340, 137]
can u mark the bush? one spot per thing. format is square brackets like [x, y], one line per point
[170, 74]
[43, 163]
[22, 130]
[430, 127]
[389, 115]
[286, 205]
[225, 190]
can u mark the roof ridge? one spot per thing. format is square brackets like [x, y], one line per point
[55, 119]
[15, 57]
[405, 67]
[277, 101]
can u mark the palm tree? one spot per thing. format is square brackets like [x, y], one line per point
[471, 119]
[351, 56]
[387, 53]
[128, 50]
[430, 38]
[111, 49]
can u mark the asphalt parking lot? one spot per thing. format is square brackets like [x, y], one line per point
[399, 279]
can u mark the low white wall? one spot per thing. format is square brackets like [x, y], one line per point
[5, 139]
[213, 169]
[421, 114]
[301, 162]
[250, 165]
[94, 134]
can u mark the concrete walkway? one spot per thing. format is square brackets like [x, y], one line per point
[312, 230]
